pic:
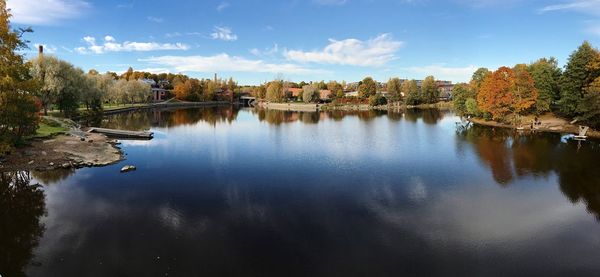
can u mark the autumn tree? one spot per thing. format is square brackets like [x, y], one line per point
[495, 94]
[394, 89]
[367, 88]
[429, 90]
[524, 92]
[310, 94]
[337, 91]
[18, 109]
[275, 91]
[260, 91]
[181, 91]
[575, 78]
[546, 78]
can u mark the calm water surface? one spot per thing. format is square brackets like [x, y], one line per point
[221, 191]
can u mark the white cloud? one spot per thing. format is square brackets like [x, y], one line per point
[155, 19]
[111, 45]
[224, 62]
[125, 6]
[223, 33]
[266, 52]
[329, 2]
[50, 49]
[441, 72]
[45, 12]
[178, 34]
[373, 52]
[155, 70]
[585, 6]
[222, 6]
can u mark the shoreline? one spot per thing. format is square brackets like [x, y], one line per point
[64, 151]
[550, 124]
[78, 149]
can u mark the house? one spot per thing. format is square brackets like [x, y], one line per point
[151, 82]
[324, 94]
[293, 92]
[445, 88]
[158, 94]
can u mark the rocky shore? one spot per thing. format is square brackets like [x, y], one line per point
[64, 151]
[547, 123]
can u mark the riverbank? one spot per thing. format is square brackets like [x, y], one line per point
[166, 104]
[64, 151]
[60, 143]
[549, 123]
[397, 106]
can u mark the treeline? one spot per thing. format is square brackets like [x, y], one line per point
[536, 88]
[368, 91]
[192, 89]
[46, 83]
[66, 87]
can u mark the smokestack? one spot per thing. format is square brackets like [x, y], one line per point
[41, 50]
[215, 77]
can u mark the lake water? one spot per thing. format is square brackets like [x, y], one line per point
[222, 191]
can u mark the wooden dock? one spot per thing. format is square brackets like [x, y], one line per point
[122, 133]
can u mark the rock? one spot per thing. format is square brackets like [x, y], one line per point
[91, 141]
[66, 165]
[51, 164]
[44, 153]
[82, 138]
[30, 162]
[128, 168]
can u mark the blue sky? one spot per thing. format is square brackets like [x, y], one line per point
[257, 40]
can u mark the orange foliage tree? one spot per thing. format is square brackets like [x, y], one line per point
[507, 91]
[181, 91]
[524, 91]
[495, 95]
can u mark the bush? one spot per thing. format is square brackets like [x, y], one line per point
[377, 100]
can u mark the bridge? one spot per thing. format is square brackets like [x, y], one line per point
[248, 100]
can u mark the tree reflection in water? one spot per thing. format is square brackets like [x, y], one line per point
[49, 177]
[21, 206]
[512, 156]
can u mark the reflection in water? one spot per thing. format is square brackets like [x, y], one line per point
[248, 192]
[21, 207]
[49, 177]
[145, 119]
[513, 155]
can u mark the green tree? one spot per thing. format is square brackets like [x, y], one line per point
[367, 88]
[546, 76]
[471, 107]
[460, 94]
[337, 91]
[589, 109]
[394, 89]
[412, 92]
[377, 100]
[477, 79]
[429, 90]
[576, 77]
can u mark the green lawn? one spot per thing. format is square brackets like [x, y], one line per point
[45, 130]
